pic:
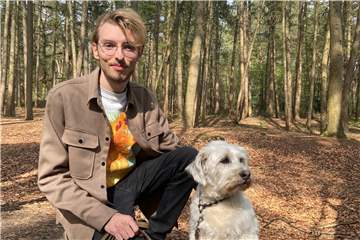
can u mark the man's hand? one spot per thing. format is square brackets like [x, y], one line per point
[122, 226]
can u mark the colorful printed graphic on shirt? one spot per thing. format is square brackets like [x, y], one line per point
[120, 159]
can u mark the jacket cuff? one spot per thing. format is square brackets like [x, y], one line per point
[105, 215]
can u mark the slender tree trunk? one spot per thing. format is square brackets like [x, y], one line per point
[231, 95]
[324, 80]
[82, 44]
[167, 60]
[179, 70]
[194, 69]
[297, 96]
[155, 70]
[38, 53]
[357, 107]
[349, 74]
[72, 36]
[66, 44]
[5, 55]
[241, 102]
[10, 101]
[28, 57]
[286, 61]
[336, 80]
[313, 68]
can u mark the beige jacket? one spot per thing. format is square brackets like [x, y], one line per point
[75, 144]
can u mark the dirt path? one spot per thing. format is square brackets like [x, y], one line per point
[305, 187]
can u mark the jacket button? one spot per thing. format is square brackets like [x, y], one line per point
[149, 134]
[102, 186]
[81, 140]
[107, 139]
[102, 163]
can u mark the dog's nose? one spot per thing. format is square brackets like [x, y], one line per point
[245, 174]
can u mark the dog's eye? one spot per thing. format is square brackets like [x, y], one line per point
[242, 160]
[225, 161]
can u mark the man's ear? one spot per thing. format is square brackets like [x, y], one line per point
[196, 168]
[95, 50]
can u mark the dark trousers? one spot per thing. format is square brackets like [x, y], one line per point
[160, 187]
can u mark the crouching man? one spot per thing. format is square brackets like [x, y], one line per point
[107, 147]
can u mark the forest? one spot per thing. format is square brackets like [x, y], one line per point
[279, 78]
[235, 59]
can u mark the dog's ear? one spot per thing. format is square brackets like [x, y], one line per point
[195, 169]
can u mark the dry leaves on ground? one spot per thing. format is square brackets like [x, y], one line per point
[305, 186]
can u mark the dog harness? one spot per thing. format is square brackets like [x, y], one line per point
[202, 207]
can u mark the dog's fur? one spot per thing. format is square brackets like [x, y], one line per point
[219, 209]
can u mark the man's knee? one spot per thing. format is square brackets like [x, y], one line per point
[186, 155]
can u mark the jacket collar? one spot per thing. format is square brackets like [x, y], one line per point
[94, 87]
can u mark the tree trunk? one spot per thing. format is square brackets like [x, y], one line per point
[72, 36]
[324, 81]
[82, 43]
[10, 101]
[241, 101]
[155, 70]
[5, 55]
[231, 95]
[349, 74]
[28, 57]
[179, 70]
[38, 53]
[313, 68]
[286, 61]
[336, 81]
[194, 69]
[66, 44]
[167, 60]
[297, 96]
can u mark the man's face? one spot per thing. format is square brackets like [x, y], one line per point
[116, 53]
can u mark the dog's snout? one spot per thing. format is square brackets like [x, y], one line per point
[245, 174]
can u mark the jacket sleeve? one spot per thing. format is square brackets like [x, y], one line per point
[168, 141]
[54, 178]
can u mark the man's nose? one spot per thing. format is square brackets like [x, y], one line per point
[119, 53]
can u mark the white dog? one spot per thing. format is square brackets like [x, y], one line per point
[220, 210]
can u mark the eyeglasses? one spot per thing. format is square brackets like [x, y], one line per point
[110, 48]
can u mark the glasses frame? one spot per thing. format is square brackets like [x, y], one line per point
[131, 54]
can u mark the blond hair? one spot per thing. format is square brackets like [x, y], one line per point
[126, 19]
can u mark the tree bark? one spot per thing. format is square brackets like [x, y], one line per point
[179, 70]
[194, 69]
[336, 80]
[286, 62]
[72, 36]
[66, 44]
[10, 101]
[5, 55]
[324, 80]
[298, 67]
[28, 57]
[83, 27]
[313, 68]
[38, 53]
[349, 74]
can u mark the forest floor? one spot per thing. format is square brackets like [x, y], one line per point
[304, 186]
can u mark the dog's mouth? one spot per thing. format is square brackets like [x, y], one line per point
[240, 185]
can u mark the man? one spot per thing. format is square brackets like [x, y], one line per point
[106, 145]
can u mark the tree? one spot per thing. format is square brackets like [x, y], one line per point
[313, 68]
[28, 57]
[194, 69]
[298, 67]
[83, 27]
[324, 80]
[10, 101]
[5, 55]
[336, 80]
[286, 62]
[349, 74]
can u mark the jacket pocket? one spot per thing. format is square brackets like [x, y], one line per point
[81, 148]
[153, 132]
